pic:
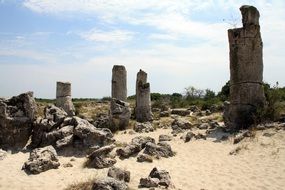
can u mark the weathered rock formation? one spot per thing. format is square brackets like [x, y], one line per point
[161, 149]
[246, 68]
[136, 145]
[143, 127]
[41, 159]
[143, 104]
[109, 183]
[100, 158]
[120, 111]
[61, 131]
[16, 120]
[157, 178]
[119, 174]
[63, 97]
[120, 114]
[119, 82]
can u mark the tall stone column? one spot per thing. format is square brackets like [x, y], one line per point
[119, 82]
[246, 71]
[63, 97]
[120, 111]
[143, 102]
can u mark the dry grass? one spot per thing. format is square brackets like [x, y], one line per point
[90, 109]
[86, 185]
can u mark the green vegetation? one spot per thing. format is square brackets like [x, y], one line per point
[275, 108]
[192, 96]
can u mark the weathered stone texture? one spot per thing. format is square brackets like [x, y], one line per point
[120, 114]
[16, 120]
[63, 97]
[119, 82]
[143, 104]
[246, 71]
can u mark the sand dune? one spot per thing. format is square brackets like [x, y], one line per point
[198, 164]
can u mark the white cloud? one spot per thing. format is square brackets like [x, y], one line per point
[29, 54]
[171, 66]
[115, 36]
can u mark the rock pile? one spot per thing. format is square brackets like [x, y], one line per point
[59, 130]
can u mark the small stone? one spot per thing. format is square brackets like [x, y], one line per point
[67, 165]
[119, 174]
[144, 158]
[164, 138]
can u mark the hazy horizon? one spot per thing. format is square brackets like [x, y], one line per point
[178, 43]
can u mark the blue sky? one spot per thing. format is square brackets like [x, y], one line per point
[178, 43]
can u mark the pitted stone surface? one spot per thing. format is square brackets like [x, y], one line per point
[143, 103]
[246, 71]
[63, 97]
[119, 82]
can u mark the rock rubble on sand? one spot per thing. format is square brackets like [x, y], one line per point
[100, 158]
[41, 159]
[61, 131]
[157, 178]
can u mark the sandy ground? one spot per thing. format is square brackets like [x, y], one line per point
[198, 164]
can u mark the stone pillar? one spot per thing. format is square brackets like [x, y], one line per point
[246, 71]
[119, 82]
[63, 97]
[120, 112]
[143, 103]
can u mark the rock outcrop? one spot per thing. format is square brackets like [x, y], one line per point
[63, 97]
[246, 71]
[41, 160]
[16, 120]
[143, 104]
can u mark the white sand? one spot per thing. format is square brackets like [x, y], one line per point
[198, 164]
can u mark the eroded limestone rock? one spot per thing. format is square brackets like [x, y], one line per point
[119, 82]
[16, 120]
[143, 104]
[100, 158]
[119, 174]
[120, 114]
[41, 160]
[246, 68]
[63, 97]
[109, 183]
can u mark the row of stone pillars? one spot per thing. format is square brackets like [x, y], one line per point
[119, 92]
[246, 77]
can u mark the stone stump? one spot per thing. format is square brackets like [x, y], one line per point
[143, 103]
[63, 97]
[246, 71]
[119, 82]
